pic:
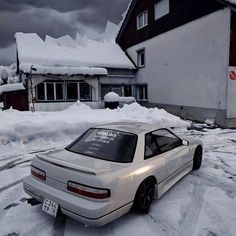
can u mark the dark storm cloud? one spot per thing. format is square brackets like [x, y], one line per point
[56, 17]
[65, 5]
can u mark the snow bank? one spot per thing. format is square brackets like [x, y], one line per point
[11, 87]
[24, 127]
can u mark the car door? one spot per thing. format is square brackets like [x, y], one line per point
[153, 158]
[176, 154]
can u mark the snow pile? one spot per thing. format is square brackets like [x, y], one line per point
[66, 52]
[232, 1]
[24, 127]
[111, 97]
[11, 87]
[8, 74]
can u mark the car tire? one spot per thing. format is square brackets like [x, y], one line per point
[144, 196]
[197, 160]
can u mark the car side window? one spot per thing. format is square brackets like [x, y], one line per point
[166, 140]
[151, 147]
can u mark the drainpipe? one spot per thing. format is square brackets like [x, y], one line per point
[31, 87]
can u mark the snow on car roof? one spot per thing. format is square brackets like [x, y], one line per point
[131, 127]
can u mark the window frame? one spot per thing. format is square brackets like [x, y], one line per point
[54, 91]
[36, 92]
[139, 52]
[145, 89]
[63, 91]
[46, 84]
[90, 90]
[78, 95]
[144, 16]
[154, 155]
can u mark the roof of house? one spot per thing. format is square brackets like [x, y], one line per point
[68, 56]
[132, 4]
[11, 88]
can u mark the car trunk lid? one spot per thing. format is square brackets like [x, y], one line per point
[79, 163]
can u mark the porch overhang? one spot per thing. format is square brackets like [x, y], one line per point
[28, 68]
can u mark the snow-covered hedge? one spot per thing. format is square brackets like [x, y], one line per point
[114, 97]
[8, 74]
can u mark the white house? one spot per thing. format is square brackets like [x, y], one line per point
[186, 54]
[58, 72]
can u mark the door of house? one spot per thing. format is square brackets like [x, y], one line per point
[18, 100]
[231, 96]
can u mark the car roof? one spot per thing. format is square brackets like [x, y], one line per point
[131, 127]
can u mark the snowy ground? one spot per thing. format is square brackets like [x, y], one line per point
[201, 204]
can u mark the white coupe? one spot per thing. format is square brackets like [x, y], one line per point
[110, 169]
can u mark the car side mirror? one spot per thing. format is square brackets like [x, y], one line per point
[185, 142]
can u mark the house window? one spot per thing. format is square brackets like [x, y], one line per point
[141, 58]
[141, 93]
[40, 92]
[59, 91]
[85, 92]
[50, 91]
[142, 20]
[117, 89]
[72, 91]
[106, 88]
[127, 90]
[162, 8]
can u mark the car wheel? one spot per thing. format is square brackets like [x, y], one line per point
[144, 196]
[197, 160]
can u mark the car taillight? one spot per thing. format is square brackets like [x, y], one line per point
[87, 191]
[36, 172]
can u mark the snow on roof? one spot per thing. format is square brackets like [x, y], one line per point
[231, 1]
[11, 88]
[111, 31]
[62, 70]
[66, 52]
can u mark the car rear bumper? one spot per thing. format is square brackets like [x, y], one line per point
[91, 213]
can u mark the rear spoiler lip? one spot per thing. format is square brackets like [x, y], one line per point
[66, 165]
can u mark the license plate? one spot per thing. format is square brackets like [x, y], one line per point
[50, 207]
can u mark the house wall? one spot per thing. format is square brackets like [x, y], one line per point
[116, 77]
[58, 106]
[188, 66]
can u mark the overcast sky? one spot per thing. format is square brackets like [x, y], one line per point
[55, 18]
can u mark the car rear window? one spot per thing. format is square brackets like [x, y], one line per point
[110, 145]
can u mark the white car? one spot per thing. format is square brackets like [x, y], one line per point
[109, 169]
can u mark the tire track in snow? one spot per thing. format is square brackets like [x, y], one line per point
[191, 213]
[13, 164]
[59, 225]
[5, 158]
[10, 185]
